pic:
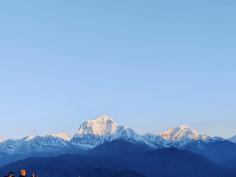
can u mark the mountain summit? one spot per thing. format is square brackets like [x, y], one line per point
[102, 129]
[100, 126]
[181, 135]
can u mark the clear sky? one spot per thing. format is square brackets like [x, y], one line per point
[149, 64]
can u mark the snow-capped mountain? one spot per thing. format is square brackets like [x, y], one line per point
[62, 135]
[155, 140]
[101, 129]
[32, 144]
[233, 139]
[95, 132]
[181, 135]
[49, 145]
[101, 126]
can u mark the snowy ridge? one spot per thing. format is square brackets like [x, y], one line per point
[96, 131]
[103, 128]
[63, 136]
[181, 135]
[32, 144]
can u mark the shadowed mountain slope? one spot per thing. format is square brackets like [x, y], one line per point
[123, 158]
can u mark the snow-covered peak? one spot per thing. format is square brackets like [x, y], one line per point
[63, 136]
[184, 126]
[103, 118]
[102, 129]
[181, 133]
[100, 126]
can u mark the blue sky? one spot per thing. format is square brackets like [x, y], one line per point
[150, 65]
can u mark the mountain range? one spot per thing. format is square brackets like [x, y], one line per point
[102, 129]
